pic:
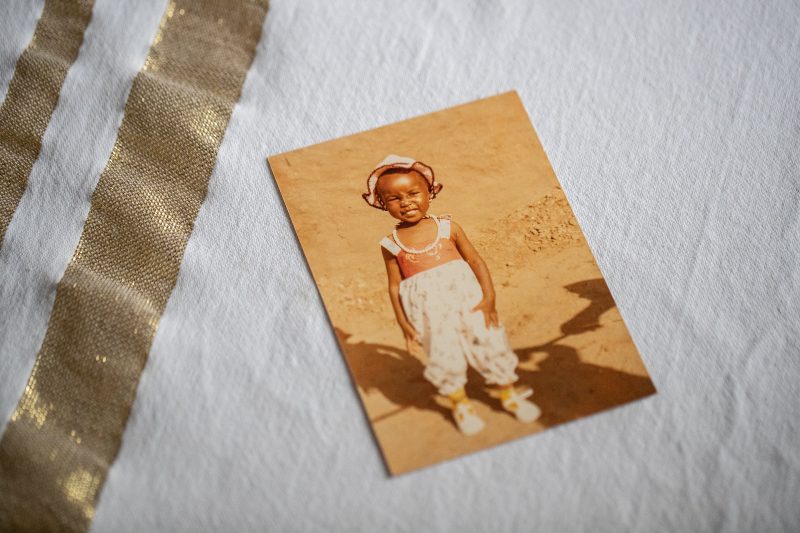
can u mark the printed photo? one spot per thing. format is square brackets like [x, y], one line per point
[467, 304]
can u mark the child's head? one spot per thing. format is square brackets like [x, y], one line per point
[402, 186]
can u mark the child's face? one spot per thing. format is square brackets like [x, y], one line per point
[405, 196]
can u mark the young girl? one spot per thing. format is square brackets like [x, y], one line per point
[442, 293]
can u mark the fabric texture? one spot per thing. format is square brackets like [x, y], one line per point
[673, 128]
[66, 430]
[438, 302]
[33, 93]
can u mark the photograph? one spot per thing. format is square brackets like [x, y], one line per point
[466, 301]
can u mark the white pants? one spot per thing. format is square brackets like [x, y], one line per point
[437, 302]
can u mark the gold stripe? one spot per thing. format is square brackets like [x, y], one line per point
[33, 94]
[68, 425]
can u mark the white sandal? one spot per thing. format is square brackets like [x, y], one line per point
[467, 420]
[525, 410]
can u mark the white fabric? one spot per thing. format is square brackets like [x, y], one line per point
[438, 302]
[673, 127]
[390, 245]
[444, 227]
[47, 224]
[17, 23]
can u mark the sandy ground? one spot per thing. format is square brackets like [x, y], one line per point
[561, 320]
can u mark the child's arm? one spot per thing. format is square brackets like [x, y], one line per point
[393, 273]
[478, 266]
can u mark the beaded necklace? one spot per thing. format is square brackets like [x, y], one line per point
[425, 250]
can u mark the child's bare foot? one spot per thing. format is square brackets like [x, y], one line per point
[514, 401]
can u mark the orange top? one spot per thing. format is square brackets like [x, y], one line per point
[441, 251]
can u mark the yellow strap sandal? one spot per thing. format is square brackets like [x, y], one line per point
[467, 419]
[515, 402]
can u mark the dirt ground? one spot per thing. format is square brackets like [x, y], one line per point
[573, 346]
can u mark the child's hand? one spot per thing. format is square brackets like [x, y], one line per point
[409, 332]
[489, 312]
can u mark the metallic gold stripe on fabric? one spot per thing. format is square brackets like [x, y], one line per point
[33, 94]
[68, 425]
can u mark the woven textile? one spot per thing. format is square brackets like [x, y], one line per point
[673, 127]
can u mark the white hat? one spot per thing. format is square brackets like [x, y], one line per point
[397, 161]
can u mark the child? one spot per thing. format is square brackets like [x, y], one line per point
[442, 293]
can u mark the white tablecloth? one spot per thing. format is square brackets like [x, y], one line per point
[674, 128]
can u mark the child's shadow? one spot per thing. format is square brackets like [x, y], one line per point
[565, 387]
[600, 301]
[393, 372]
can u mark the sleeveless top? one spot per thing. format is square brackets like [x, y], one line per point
[413, 262]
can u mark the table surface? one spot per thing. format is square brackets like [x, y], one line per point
[674, 129]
